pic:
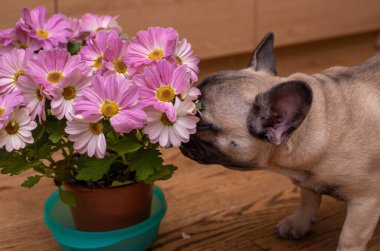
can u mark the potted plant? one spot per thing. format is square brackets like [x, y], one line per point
[85, 105]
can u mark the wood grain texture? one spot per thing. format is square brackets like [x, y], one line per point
[10, 10]
[295, 21]
[214, 27]
[218, 209]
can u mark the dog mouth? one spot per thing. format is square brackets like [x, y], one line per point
[207, 153]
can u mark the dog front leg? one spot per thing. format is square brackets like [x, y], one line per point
[361, 220]
[297, 225]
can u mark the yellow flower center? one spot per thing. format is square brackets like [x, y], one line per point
[165, 94]
[17, 75]
[40, 97]
[69, 93]
[96, 128]
[54, 77]
[179, 60]
[12, 127]
[2, 110]
[98, 62]
[165, 120]
[100, 28]
[156, 54]
[119, 66]
[23, 46]
[42, 33]
[109, 109]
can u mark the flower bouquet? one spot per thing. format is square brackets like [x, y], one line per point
[89, 107]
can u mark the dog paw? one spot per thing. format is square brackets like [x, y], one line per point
[295, 226]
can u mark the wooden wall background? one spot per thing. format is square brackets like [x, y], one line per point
[218, 28]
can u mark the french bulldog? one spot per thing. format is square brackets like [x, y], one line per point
[321, 130]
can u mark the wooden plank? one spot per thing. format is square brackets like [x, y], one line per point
[296, 21]
[10, 10]
[214, 27]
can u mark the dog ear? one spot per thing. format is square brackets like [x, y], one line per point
[263, 57]
[276, 113]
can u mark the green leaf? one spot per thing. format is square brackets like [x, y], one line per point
[38, 133]
[165, 173]
[92, 169]
[67, 197]
[73, 48]
[127, 144]
[145, 162]
[139, 136]
[118, 183]
[55, 130]
[199, 106]
[15, 164]
[31, 181]
[44, 151]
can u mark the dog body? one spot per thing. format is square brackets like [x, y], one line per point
[321, 130]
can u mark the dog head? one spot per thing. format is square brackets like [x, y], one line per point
[246, 112]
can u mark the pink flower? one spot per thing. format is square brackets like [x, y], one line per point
[17, 131]
[116, 59]
[160, 129]
[12, 66]
[91, 23]
[184, 56]
[51, 33]
[87, 137]
[23, 40]
[8, 102]
[191, 92]
[93, 53]
[6, 37]
[151, 46]
[74, 27]
[112, 98]
[51, 67]
[34, 98]
[160, 84]
[67, 92]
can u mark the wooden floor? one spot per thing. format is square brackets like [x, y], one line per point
[209, 207]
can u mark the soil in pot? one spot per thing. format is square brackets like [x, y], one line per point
[106, 209]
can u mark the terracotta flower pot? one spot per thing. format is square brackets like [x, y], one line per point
[105, 209]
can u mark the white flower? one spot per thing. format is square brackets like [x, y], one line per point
[17, 131]
[87, 137]
[160, 129]
[33, 97]
[66, 92]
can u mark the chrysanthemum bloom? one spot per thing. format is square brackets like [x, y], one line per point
[12, 66]
[160, 84]
[51, 33]
[93, 53]
[23, 40]
[66, 93]
[17, 130]
[87, 137]
[160, 129]
[90, 23]
[74, 27]
[184, 56]
[113, 98]
[116, 59]
[191, 92]
[34, 98]
[8, 102]
[50, 67]
[152, 45]
[6, 37]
